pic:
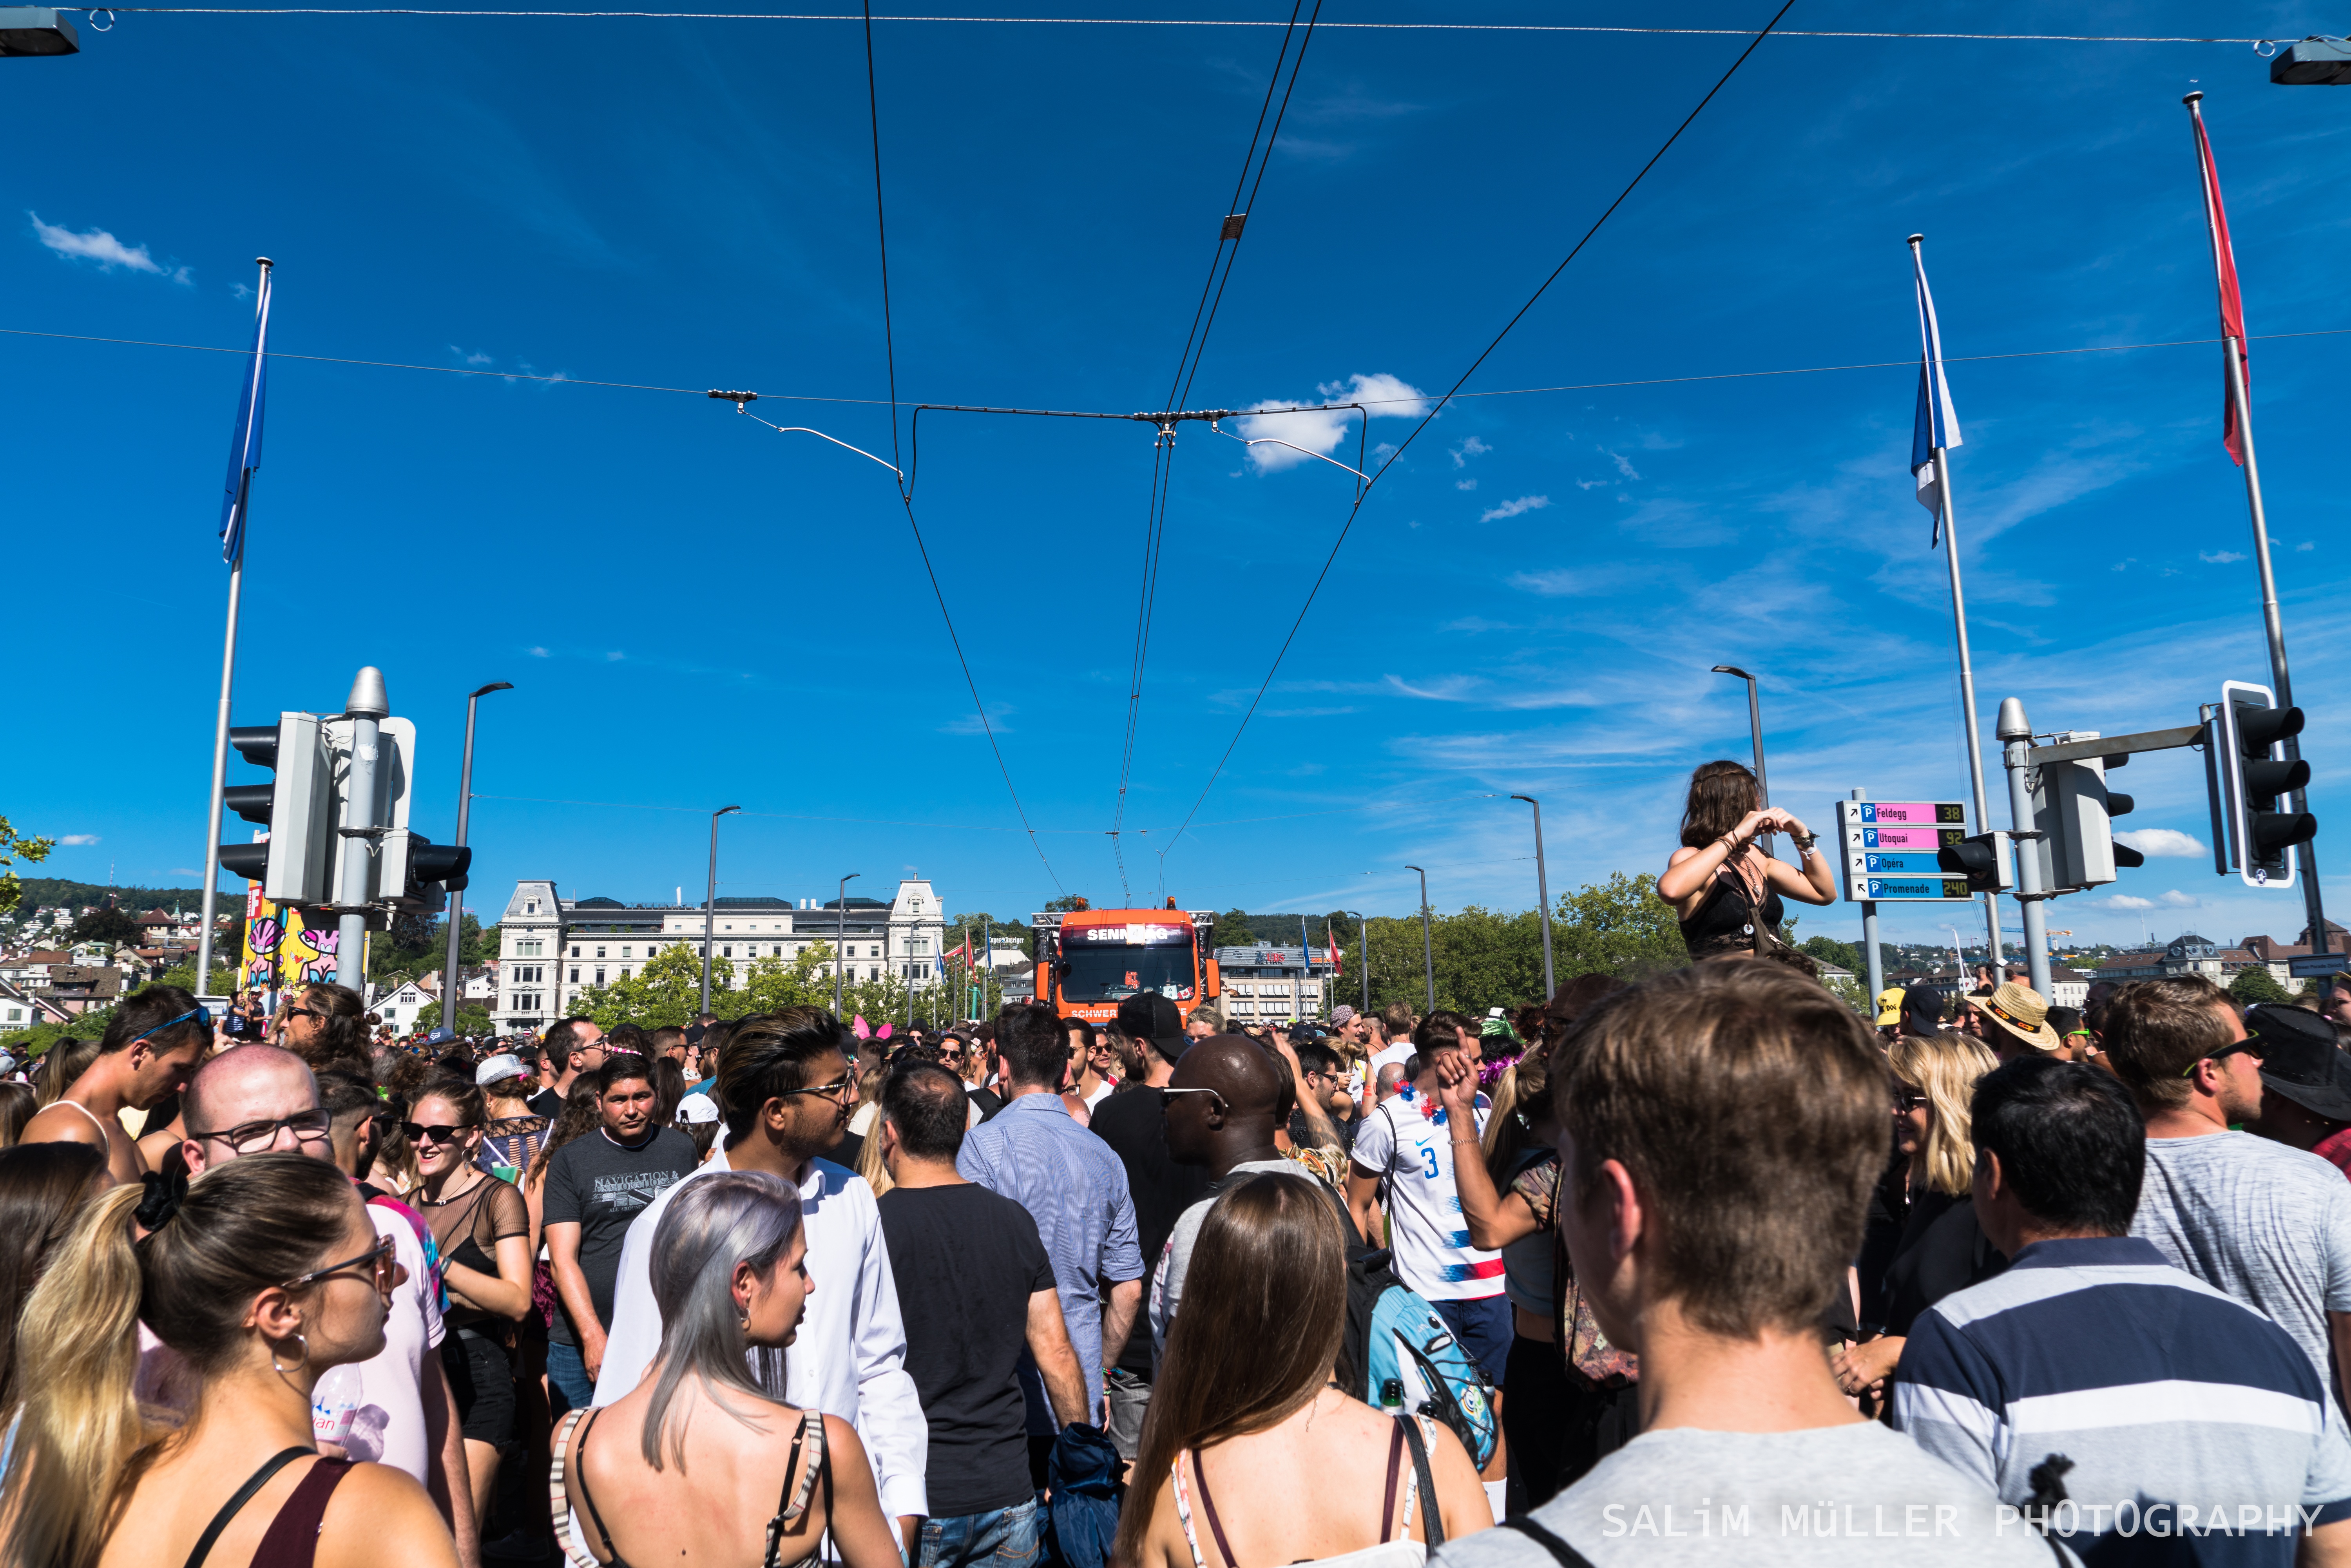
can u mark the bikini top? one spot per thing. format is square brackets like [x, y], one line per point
[791, 1506]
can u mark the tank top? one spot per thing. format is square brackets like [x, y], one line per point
[1399, 1550]
[1725, 921]
[292, 1539]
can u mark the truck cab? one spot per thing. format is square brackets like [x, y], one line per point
[1089, 960]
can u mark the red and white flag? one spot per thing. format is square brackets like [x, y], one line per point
[2233, 307]
[1333, 938]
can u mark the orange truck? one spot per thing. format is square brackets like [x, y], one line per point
[1089, 960]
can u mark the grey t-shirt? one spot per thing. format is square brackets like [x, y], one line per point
[2268, 1225]
[1855, 1496]
[600, 1186]
[1176, 1260]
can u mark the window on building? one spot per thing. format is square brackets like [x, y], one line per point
[575, 949]
[530, 909]
[599, 976]
[919, 945]
[726, 952]
[600, 952]
[575, 972]
[873, 953]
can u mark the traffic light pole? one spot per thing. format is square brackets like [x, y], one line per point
[2016, 752]
[365, 708]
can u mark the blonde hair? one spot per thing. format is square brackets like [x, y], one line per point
[84, 1441]
[1945, 1067]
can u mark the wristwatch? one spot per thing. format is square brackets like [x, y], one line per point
[1805, 842]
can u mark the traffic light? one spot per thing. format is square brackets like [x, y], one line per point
[2247, 759]
[414, 870]
[298, 806]
[395, 742]
[2075, 811]
[1983, 860]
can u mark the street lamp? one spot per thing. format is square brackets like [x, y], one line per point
[451, 991]
[1427, 949]
[710, 901]
[1542, 893]
[1363, 930]
[1755, 727]
[37, 30]
[840, 937]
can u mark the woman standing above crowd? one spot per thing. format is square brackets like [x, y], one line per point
[1725, 889]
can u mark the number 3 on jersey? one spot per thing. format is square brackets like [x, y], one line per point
[1428, 1160]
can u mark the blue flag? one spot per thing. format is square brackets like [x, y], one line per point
[1937, 422]
[245, 446]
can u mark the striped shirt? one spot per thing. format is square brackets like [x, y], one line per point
[2183, 1412]
[1407, 1143]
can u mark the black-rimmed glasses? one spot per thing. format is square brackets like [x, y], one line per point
[383, 1256]
[255, 1137]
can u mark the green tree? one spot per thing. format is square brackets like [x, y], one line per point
[15, 848]
[667, 990]
[1829, 950]
[471, 1020]
[107, 924]
[224, 977]
[2254, 983]
[1232, 930]
[1068, 903]
[1618, 927]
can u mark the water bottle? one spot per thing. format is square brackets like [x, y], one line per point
[1392, 1396]
[333, 1402]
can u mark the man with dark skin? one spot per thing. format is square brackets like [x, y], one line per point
[1224, 1101]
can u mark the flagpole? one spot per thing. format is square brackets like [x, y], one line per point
[1932, 387]
[220, 719]
[2232, 350]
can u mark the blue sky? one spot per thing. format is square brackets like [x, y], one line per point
[695, 610]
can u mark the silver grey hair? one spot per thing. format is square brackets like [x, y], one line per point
[714, 1223]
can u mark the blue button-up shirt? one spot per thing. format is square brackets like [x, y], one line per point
[1034, 1153]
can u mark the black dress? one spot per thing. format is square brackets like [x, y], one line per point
[1725, 921]
[1941, 1249]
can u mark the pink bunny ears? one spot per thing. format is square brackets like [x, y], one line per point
[863, 1032]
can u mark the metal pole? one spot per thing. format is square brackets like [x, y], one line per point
[1542, 879]
[450, 988]
[1967, 685]
[2232, 350]
[1363, 936]
[710, 902]
[840, 935]
[2016, 743]
[1755, 732]
[1872, 959]
[1427, 949]
[365, 707]
[220, 781]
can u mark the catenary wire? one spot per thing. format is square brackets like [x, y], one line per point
[1364, 494]
[1154, 22]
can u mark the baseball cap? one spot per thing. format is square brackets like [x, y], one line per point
[697, 1107]
[1889, 1006]
[1147, 1014]
[1341, 1013]
[499, 1067]
[2302, 1059]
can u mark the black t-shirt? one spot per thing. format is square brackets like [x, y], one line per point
[966, 1261]
[1134, 1125]
[546, 1103]
[600, 1187]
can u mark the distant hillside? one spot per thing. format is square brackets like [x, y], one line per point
[43, 892]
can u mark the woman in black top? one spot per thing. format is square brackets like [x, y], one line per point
[1922, 1224]
[482, 1232]
[1725, 890]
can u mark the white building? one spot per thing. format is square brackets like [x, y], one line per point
[551, 948]
[400, 1007]
[1266, 983]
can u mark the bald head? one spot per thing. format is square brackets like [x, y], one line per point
[1244, 1075]
[243, 1084]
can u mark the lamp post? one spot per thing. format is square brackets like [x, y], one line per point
[840, 937]
[1755, 728]
[1542, 894]
[1427, 949]
[710, 901]
[452, 992]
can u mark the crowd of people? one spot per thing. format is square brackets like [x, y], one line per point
[1703, 1266]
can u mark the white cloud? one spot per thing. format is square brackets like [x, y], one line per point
[1320, 432]
[2307, 544]
[536, 653]
[1512, 508]
[614, 657]
[98, 246]
[1624, 464]
[2124, 901]
[2161, 843]
[1589, 484]
[2176, 899]
[79, 839]
[1473, 448]
[189, 869]
[2220, 558]
[1465, 484]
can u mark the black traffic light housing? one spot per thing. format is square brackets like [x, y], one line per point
[298, 806]
[2253, 768]
[1983, 860]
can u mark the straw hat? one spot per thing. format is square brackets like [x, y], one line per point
[2021, 1010]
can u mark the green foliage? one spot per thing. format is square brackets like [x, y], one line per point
[2254, 983]
[1067, 904]
[979, 926]
[1484, 958]
[471, 1018]
[1829, 950]
[668, 990]
[1233, 930]
[52, 893]
[113, 927]
[185, 976]
[15, 848]
[43, 1037]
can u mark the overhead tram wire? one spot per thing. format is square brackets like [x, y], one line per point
[1364, 494]
[1235, 223]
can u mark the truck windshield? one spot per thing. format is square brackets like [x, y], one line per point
[1113, 973]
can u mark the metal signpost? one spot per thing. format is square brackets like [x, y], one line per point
[1887, 850]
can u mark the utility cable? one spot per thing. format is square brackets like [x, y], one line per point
[882, 241]
[1364, 494]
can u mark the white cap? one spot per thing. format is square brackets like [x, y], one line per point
[697, 1107]
[495, 1069]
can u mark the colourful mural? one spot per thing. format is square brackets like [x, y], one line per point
[280, 948]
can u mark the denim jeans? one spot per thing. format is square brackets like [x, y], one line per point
[1004, 1538]
[567, 1375]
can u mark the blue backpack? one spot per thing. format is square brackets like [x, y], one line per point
[1410, 1345]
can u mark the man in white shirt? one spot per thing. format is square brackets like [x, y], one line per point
[789, 1090]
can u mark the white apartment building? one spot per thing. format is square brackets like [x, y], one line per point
[551, 948]
[1264, 982]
